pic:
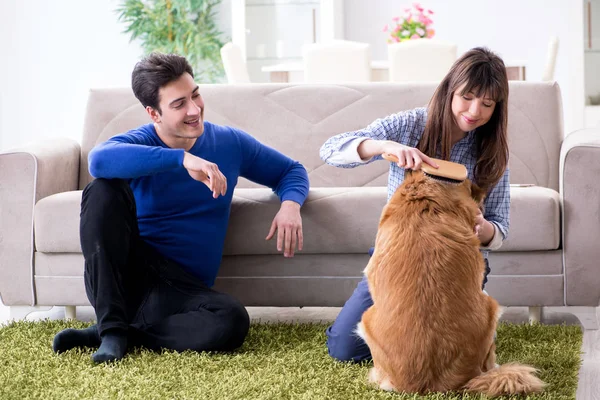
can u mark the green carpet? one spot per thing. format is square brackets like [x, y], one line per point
[277, 361]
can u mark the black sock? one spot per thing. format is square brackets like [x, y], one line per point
[113, 347]
[70, 338]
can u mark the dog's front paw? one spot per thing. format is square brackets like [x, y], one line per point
[377, 378]
[374, 375]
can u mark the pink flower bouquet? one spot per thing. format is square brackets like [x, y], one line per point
[415, 23]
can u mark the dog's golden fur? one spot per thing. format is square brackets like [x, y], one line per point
[431, 328]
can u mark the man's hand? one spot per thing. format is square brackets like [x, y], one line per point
[288, 225]
[207, 173]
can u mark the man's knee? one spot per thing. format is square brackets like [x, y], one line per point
[233, 322]
[103, 196]
[237, 323]
[100, 186]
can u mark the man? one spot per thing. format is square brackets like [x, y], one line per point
[153, 222]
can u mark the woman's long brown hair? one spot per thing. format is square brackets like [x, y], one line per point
[484, 73]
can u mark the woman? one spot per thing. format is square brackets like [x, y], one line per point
[465, 122]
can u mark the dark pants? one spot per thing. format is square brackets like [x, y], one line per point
[136, 291]
[343, 343]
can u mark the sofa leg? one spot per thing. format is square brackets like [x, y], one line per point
[70, 312]
[19, 313]
[535, 314]
[588, 316]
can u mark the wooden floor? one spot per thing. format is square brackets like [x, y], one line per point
[589, 374]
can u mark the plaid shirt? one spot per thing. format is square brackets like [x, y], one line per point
[407, 128]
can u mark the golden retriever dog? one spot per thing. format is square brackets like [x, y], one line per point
[431, 327]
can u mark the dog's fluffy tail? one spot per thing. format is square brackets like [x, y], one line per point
[506, 379]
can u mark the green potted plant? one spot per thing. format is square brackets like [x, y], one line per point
[184, 27]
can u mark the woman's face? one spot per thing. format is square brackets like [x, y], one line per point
[471, 112]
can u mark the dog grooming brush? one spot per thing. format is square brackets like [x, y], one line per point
[450, 172]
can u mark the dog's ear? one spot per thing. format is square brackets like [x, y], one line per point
[477, 193]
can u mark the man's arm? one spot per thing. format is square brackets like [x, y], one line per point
[267, 166]
[132, 155]
[288, 179]
[140, 153]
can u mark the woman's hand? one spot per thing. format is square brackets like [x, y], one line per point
[483, 229]
[408, 157]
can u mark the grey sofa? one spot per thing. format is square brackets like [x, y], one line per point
[551, 257]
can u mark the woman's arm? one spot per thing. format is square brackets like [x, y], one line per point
[497, 212]
[402, 128]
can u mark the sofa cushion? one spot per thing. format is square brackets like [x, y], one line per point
[335, 220]
[328, 215]
[344, 220]
[56, 223]
[534, 219]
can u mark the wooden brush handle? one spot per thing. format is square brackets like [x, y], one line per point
[447, 169]
[389, 157]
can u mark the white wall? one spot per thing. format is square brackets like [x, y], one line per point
[53, 52]
[518, 30]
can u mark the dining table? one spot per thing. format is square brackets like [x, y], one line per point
[294, 71]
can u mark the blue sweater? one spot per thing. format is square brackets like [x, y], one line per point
[177, 215]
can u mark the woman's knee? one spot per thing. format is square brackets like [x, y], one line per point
[485, 273]
[343, 343]
[339, 349]
[347, 348]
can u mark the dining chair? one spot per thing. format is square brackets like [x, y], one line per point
[337, 61]
[548, 74]
[420, 60]
[234, 64]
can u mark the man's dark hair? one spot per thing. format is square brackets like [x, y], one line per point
[155, 71]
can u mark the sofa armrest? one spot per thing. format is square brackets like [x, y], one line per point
[27, 175]
[580, 196]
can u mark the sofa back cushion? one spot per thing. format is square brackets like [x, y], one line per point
[297, 118]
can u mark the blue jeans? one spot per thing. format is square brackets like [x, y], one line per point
[343, 343]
